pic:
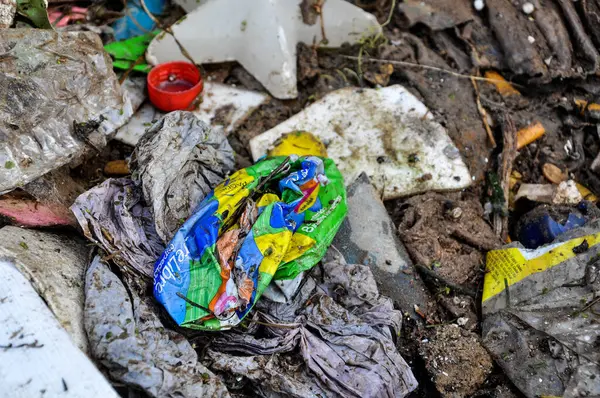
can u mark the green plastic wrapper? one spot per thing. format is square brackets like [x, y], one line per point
[272, 220]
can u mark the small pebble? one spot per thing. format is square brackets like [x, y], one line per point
[528, 8]
[479, 5]
[456, 213]
[531, 39]
[451, 152]
[553, 173]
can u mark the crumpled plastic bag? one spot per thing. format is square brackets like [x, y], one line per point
[340, 327]
[113, 215]
[58, 95]
[541, 312]
[178, 161]
[127, 337]
[274, 219]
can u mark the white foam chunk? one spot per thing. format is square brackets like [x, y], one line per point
[387, 133]
[223, 107]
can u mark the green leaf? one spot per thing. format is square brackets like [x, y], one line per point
[128, 51]
[35, 11]
[9, 165]
[125, 65]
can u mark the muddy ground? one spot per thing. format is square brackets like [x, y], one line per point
[550, 56]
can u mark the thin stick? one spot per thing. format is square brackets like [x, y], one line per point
[169, 31]
[591, 304]
[319, 9]
[451, 285]
[128, 71]
[277, 325]
[483, 114]
[414, 65]
[390, 15]
[509, 153]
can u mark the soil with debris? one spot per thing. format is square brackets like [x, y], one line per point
[456, 361]
[446, 233]
[442, 51]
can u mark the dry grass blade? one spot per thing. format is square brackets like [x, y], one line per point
[429, 67]
[169, 31]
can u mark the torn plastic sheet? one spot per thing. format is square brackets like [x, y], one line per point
[342, 329]
[223, 107]
[387, 133]
[127, 337]
[114, 216]
[60, 96]
[272, 220]
[177, 163]
[541, 310]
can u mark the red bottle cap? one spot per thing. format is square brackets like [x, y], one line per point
[173, 86]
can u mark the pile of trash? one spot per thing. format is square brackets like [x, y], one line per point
[302, 198]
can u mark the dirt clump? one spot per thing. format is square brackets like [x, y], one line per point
[456, 361]
[447, 234]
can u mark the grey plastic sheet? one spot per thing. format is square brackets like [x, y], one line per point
[128, 339]
[342, 329]
[543, 331]
[175, 165]
[178, 161]
[114, 216]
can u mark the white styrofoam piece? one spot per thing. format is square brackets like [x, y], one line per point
[135, 128]
[387, 133]
[261, 35]
[230, 105]
[37, 357]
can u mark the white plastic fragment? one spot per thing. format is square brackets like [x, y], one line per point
[190, 5]
[8, 8]
[528, 8]
[567, 194]
[531, 39]
[38, 357]
[261, 35]
[223, 107]
[387, 133]
[479, 5]
[536, 192]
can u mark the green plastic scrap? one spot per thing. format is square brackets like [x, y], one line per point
[127, 52]
[35, 11]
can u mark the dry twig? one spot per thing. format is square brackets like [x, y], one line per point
[483, 113]
[429, 67]
[509, 153]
